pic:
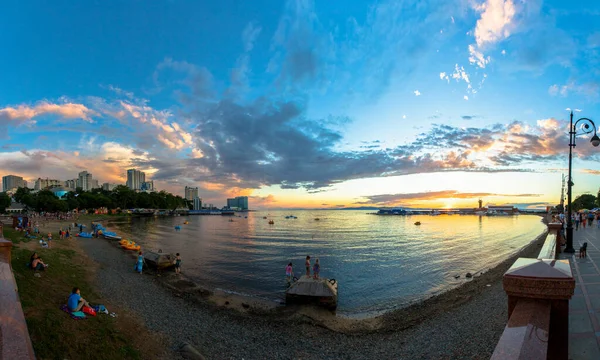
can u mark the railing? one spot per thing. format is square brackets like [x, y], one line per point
[15, 343]
[538, 304]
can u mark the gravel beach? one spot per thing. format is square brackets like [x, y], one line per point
[466, 323]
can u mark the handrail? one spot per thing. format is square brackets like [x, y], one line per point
[15, 343]
[548, 250]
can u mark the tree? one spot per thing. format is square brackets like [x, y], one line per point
[5, 202]
[585, 201]
[21, 193]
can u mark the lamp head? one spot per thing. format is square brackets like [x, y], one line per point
[595, 140]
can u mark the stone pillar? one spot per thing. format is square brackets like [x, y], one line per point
[546, 280]
[556, 227]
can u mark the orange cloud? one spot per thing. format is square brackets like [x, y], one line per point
[25, 113]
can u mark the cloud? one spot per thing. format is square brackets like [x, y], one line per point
[466, 97]
[469, 117]
[443, 76]
[249, 36]
[25, 113]
[496, 21]
[417, 93]
[590, 171]
[391, 199]
[590, 89]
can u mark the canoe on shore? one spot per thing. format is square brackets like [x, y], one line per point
[316, 291]
[111, 237]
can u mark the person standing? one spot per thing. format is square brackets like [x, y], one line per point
[576, 218]
[178, 264]
[140, 263]
[316, 269]
[307, 264]
[289, 272]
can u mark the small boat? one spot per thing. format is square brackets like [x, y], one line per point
[271, 222]
[186, 222]
[85, 235]
[177, 227]
[108, 233]
[110, 237]
[264, 217]
[125, 241]
[317, 219]
[130, 246]
[418, 223]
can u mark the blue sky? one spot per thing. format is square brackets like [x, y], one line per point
[302, 103]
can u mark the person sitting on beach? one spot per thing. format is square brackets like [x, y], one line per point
[316, 269]
[307, 264]
[289, 272]
[140, 263]
[178, 264]
[76, 302]
[36, 263]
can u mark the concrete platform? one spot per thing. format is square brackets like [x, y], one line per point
[308, 290]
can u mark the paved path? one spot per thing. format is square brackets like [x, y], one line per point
[584, 307]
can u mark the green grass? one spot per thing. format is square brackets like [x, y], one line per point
[53, 333]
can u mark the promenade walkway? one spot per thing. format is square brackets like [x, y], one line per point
[584, 307]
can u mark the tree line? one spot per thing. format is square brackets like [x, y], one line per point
[585, 201]
[121, 197]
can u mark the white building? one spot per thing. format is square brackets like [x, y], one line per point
[148, 186]
[85, 181]
[109, 187]
[197, 203]
[191, 193]
[41, 184]
[135, 179]
[10, 182]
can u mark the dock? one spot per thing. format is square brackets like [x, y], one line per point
[306, 290]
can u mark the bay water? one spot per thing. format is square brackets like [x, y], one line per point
[381, 263]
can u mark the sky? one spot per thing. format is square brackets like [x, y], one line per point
[305, 104]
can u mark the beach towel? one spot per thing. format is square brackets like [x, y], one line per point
[75, 315]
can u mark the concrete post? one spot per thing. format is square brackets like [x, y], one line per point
[556, 227]
[545, 280]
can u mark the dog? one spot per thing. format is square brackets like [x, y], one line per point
[583, 250]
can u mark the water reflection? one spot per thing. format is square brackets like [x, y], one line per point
[380, 262]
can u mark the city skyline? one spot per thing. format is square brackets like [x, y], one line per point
[302, 104]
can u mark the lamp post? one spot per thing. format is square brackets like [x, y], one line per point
[587, 127]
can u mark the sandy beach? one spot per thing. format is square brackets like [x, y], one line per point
[225, 326]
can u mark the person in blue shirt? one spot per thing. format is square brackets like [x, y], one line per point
[76, 302]
[140, 262]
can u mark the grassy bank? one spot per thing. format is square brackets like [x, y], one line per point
[53, 333]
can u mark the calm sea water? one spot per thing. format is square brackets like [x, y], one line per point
[380, 262]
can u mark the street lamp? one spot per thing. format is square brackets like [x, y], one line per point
[586, 128]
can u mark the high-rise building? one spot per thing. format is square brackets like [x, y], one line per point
[95, 184]
[71, 184]
[109, 187]
[41, 184]
[191, 193]
[10, 182]
[197, 203]
[135, 179]
[239, 202]
[85, 181]
[148, 185]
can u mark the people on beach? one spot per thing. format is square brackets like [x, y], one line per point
[289, 272]
[76, 302]
[316, 269]
[140, 262]
[177, 264]
[307, 264]
[36, 263]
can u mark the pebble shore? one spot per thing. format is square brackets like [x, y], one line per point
[468, 331]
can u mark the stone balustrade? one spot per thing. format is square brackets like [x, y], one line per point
[15, 343]
[538, 293]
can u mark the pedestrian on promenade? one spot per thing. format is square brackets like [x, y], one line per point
[590, 218]
[576, 221]
[598, 220]
[307, 264]
[583, 219]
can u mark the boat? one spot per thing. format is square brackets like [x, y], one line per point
[85, 235]
[393, 211]
[131, 246]
[186, 222]
[159, 260]
[271, 222]
[418, 223]
[109, 233]
[125, 241]
[313, 291]
[264, 217]
[227, 212]
[111, 237]
[480, 213]
[435, 213]
[317, 219]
